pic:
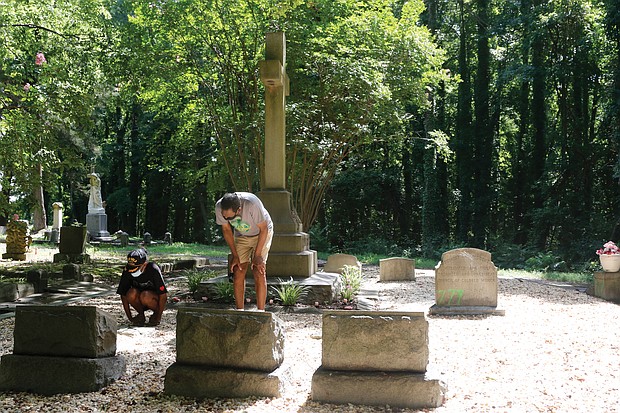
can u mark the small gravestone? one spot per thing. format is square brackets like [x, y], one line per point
[336, 263]
[38, 279]
[376, 358]
[168, 238]
[147, 238]
[397, 269]
[61, 350]
[466, 283]
[17, 240]
[71, 272]
[226, 353]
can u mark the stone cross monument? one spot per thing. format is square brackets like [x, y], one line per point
[290, 254]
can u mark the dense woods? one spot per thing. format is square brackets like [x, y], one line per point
[412, 126]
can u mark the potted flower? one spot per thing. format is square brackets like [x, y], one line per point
[609, 256]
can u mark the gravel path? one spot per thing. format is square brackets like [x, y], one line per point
[555, 350]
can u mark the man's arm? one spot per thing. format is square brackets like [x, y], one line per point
[126, 307]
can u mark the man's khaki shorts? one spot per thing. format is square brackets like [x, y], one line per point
[246, 245]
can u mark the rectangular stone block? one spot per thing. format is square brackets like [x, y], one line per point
[397, 389]
[74, 331]
[229, 338]
[397, 269]
[466, 277]
[52, 375]
[204, 382]
[375, 341]
[607, 286]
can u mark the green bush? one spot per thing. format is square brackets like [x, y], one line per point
[224, 291]
[290, 292]
[351, 279]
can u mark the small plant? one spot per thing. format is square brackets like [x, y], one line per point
[290, 292]
[224, 291]
[194, 278]
[351, 279]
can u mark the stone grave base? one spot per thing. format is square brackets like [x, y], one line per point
[12, 256]
[52, 375]
[607, 286]
[324, 286]
[465, 310]
[409, 390]
[72, 258]
[205, 382]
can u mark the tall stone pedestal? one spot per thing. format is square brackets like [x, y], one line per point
[290, 254]
[97, 224]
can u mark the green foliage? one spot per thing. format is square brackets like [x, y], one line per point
[351, 280]
[290, 292]
[195, 277]
[224, 292]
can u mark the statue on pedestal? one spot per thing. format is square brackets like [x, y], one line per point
[96, 219]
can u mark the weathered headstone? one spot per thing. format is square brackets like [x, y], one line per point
[123, 238]
[72, 245]
[397, 269]
[466, 283]
[226, 353]
[336, 262]
[168, 238]
[71, 272]
[61, 350]
[147, 238]
[17, 240]
[376, 358]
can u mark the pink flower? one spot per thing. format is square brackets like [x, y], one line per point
[40, 59]
[609, 248]
[27, 87]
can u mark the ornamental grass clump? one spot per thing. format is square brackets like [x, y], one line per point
[290, 292]
[194, 278]
[224, 291]
[351, 280]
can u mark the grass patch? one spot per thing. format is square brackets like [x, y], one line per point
[570, 277]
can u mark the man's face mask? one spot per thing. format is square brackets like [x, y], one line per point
[134, 268]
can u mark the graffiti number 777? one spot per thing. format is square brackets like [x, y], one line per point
[449, 297]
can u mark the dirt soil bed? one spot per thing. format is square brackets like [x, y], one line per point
[556, 350]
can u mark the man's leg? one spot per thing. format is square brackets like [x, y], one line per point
[239, 285]
[150, 300]
[133, 298]
[260, 284]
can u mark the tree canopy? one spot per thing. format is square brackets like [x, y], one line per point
[411, 126]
